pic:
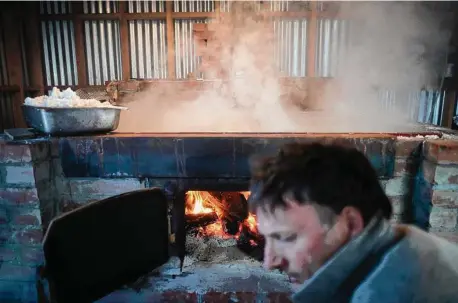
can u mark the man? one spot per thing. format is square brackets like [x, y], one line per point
[325, 218]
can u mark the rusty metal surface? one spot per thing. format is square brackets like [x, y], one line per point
[71, 121]
[197, 156]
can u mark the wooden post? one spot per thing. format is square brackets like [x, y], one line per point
[33, 47]
[170, 41]
[12, 24]
[124, 37]
[449, 108]
[217, 10]
[80, 51]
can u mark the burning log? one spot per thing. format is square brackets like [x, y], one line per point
[194, 221]
[237, 212]
[251, 243]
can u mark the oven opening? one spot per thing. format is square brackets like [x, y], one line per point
[220, 228]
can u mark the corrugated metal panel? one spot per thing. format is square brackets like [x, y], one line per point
[25, 70]
[183, 6]
[186, 60]
[103, 51]
[59, 52]
[55, 7]
[279, 6]
[148, 49]
[146, 6]
[224, 6]
[100, 7]
[6, 111]
[3, 67]
[291, 46]
[6, 106]
[432, 103]
[290, 6]
[332, 36]
[424, 106]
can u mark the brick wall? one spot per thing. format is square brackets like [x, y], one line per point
[439, 190]
[419, 174]
[84, 190]
[20, 224]
[400, 186]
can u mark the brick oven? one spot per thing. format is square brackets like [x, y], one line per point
[43, 178]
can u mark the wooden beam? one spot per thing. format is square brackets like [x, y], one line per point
[449, 109]
[9, 88]
[73, 87]
[217, 11]
[12, 27]
[129, 16]
[170, 41]
[124, 37]
[189, 15]
[80, 50]
[34, 48]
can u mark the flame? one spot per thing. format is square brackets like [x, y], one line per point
[251, 222]
[246, 194]
[202, 202]
[196, 201]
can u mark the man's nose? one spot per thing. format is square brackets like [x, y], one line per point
[272, 260]
[275, 263]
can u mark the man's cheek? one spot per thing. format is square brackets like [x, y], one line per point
[315, 244]
[300, 256]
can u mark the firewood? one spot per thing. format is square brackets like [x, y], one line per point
[251, 243]
[231, 227]
[199, 220]
[236, 206]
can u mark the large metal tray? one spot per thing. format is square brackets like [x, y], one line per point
[71, 121]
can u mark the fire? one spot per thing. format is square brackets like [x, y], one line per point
[203, 202]
[196, 201]
[251, 223]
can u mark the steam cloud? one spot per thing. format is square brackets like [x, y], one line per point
[397, 46]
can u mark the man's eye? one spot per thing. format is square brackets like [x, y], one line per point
[290, 238]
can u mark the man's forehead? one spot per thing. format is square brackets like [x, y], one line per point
[292, 217]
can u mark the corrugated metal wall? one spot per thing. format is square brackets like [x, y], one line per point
[186, 60]
[58, 45]
[6, 106]
[183, 6]
[100, 7]
[425, 106]
[103, 51]
[103, 47]
[148, 49]
[25, 71]
[330, 47]
[148, 42]
[291, 46]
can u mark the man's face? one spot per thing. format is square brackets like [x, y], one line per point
[297, 242]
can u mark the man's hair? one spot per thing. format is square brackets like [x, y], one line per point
[327, 175]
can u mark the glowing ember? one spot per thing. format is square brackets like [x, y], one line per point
[246, 194]
[203, 202]
[251, 223]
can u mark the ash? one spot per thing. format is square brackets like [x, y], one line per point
[213, 250]
[212, 264]
[239, 276]
[216, 264]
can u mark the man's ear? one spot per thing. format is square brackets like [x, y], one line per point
[354, 220]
